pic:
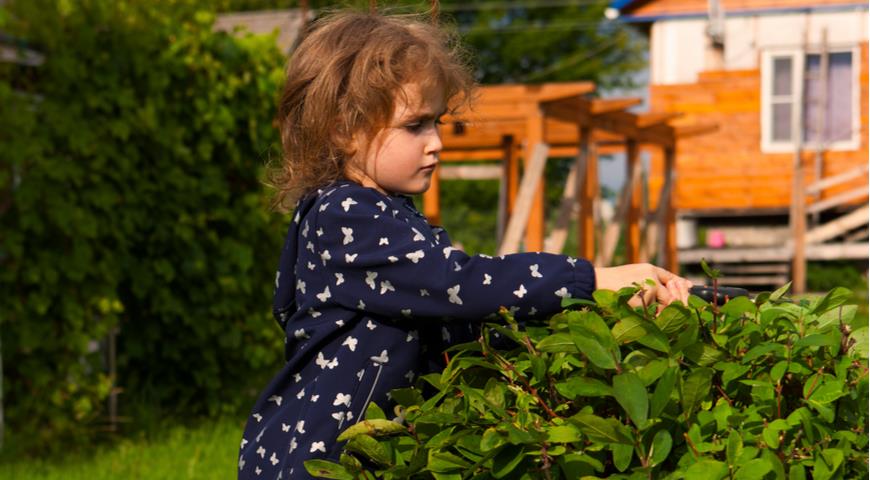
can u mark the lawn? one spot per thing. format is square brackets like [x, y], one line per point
[209, 451]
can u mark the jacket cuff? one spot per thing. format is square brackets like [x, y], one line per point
[584, 279]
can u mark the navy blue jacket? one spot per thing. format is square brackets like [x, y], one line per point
[369, 294]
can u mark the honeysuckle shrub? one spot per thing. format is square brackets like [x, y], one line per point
[768, 388]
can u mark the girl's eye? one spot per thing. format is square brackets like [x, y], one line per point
[414, 127]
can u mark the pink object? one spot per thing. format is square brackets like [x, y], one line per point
[715, 238]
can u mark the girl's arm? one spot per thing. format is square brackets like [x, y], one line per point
[379, 263]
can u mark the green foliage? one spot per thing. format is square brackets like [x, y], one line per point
[777, 389]
[130, 166]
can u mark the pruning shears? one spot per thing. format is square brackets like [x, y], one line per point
[722, 294]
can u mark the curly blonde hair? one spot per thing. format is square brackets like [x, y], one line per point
[342, 82]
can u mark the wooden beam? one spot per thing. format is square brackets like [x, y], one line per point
[536, 223]
[839, 226]
[555, 241]
[632, 240]
[611, 233]
[649, 119]
[507, 188]
[607, 105]
[528, 187]
[839, 199]
[470, 172]
[686, 131]
[844, 177]
[824, 251]
[589, 193]
[798, 223]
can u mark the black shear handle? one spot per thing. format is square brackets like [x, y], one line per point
[706, 293]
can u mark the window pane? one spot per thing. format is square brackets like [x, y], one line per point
[840, 100]
[782, 76]
[812, 99]
[781, 122]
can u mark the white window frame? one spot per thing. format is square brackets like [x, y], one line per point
[798, 57]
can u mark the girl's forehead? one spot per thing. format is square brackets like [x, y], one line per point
[420, 98]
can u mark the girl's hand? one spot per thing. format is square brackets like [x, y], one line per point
[668, 286]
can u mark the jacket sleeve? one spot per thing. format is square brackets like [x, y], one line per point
[379, 263]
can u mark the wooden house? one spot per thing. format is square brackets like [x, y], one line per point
[785, 175]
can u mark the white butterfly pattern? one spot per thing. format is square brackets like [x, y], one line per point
[386, 286]
[347, 203]
[350, 342]
[383, 241]
[339, 278]
[293, 444]
[370, 279]
[415, 256]
[324, 256]
[275, 398]
[348, 235]
[487, 279]
[325, 295]
[520, 292]
[562, 293]
[318, 447]
[535, 273]
[350, 257]
[341, 398]
[323, 363]
[453, 295]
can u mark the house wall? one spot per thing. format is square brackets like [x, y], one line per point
[677, 45]
[726, 168]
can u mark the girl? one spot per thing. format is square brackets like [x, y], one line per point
[367, 292]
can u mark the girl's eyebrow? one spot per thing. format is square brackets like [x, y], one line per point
[425, 115]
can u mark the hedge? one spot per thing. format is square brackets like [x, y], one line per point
[131, 197]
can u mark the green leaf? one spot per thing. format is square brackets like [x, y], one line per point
[673, 318]
[652, 371]
[778, 370]
[594, 339]
[575, 387]
[558, 342]
[771, 432]
[753, 469]
[703, 354]
[710, 272]
[833, 317]
[862, 342]
[828, 461]
[662, 393]
[779, 292]
[563, 434]
[832, 299]
[506, 460]
[732, 371]
[491, 439]
[695, 389]
[445, 462]
[707, 469]
[326, 469]
[632, 396]
[374, 412]
[734, 447]
[796, 472]
[828, 391]
[375, 427]
[622, 456]
[815, 340]
[631, 329]
[738, 306]
[776, 348]
[370, 448]
[601, 430]
[660, 448]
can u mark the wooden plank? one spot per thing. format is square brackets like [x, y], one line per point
[839, 226]
[858, 235]
[649, 119]
[607, 105]
[632, 240]
[844, 177]
[839, 199]
[528, 187]
[686, 131]
[838, 251]
[589, 195]
[470, 172]
[535, 227]
[555, 241]
[832, 251]
[754, 268]
[507, 188]
[611, 232]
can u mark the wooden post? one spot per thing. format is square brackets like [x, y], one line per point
[821, 117]
[799, 229]
[668, 219]
[611, 233]
[525, 200]
[507, 189]
[632, 239]
[586, 196]
[535, 227]
[432, 200]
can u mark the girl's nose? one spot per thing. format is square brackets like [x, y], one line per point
[433, 144]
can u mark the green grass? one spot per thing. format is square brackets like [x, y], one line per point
[207, 451]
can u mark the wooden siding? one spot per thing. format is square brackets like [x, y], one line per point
[726, 169]
[656, 8]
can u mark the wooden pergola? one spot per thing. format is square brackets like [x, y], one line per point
[535, 122]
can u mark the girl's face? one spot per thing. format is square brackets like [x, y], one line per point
[402, 157]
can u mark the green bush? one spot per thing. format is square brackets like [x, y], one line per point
[130, 184]
[768, 389]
